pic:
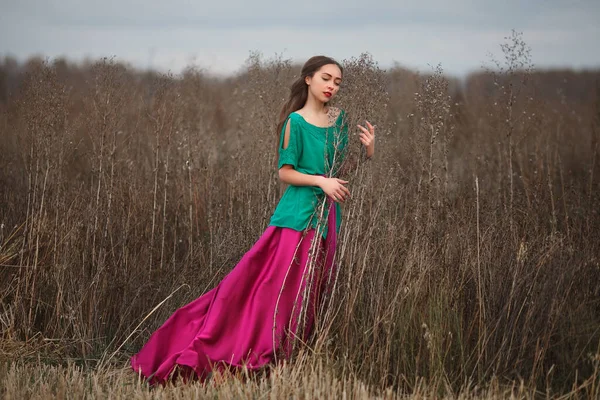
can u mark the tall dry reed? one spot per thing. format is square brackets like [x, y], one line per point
[469, 253]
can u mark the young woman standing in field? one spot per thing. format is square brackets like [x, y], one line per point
[270, 298]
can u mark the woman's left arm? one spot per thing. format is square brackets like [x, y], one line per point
[367, 138]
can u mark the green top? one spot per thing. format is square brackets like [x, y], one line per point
[311, 150]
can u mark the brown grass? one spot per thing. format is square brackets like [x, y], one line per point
[44, 381]
[469, 255]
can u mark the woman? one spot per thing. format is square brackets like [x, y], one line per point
[270, 299]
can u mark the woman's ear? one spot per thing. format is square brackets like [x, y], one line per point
[307, 80]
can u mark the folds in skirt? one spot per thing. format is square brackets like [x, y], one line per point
[253, 316]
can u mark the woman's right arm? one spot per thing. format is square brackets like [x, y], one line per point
[333, 187]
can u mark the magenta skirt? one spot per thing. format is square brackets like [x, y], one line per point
[253, 316]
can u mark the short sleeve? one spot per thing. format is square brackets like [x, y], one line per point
[291, 153]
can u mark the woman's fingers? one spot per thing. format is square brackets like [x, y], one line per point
[343, 192]
[339, 193]
[368, 132]
[338, 197]
[366, 137]
[371, 128]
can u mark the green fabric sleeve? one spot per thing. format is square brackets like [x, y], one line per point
[291, 153]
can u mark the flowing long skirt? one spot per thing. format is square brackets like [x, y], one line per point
[253, 316]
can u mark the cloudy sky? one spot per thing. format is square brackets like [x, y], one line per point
[219, 35]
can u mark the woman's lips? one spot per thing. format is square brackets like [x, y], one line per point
[327, 94]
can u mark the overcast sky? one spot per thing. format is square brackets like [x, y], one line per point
[219, 35]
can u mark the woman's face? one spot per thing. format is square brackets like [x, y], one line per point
[325, 83]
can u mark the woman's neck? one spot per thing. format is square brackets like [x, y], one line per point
[315, 107]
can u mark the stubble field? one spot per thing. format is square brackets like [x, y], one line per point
[469, 256]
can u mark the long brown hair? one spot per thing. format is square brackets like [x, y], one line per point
[299, 89]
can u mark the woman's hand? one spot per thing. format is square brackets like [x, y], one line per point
[367, 138]
[335, 189]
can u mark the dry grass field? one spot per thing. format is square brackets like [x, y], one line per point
[469, 255]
